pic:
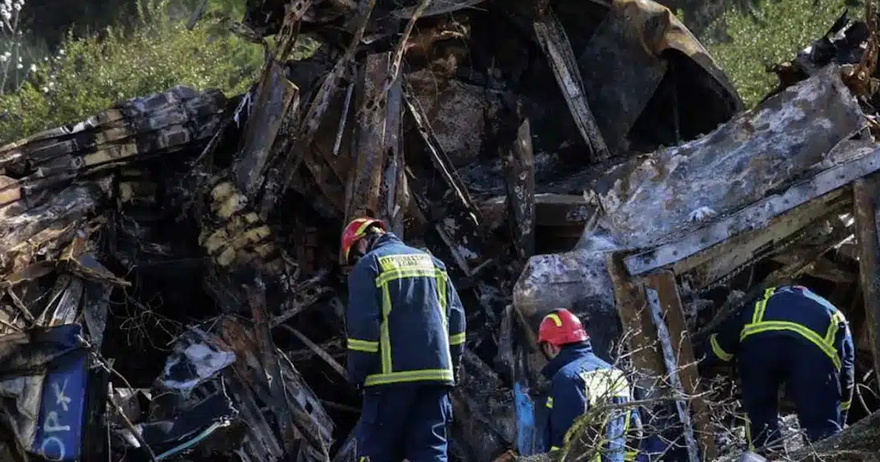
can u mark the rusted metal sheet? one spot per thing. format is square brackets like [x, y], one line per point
[458, 113]
[519, 165]
[557, 49]
[865, 210]
[436, 153]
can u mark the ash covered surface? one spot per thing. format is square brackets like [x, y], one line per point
[192, 238]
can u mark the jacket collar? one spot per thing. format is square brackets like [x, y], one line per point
[385, 239]
[569, 353]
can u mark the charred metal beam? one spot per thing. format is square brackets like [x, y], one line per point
[256, 295]
[362, 197]
[672, 372]
[709, 265]
[684, 360]
[299, 150]
[317, 350]
[519, 166]
[557, 49]
[638, 324]
[275, 97]
[865, 209]
[438, 156]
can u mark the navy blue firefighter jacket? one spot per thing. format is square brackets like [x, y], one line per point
[405, 321]
[581, 380]
[794, 311]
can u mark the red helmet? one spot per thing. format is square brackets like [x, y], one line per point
[356, 230]
[561, 327]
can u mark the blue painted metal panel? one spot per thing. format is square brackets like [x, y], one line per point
[62, 411]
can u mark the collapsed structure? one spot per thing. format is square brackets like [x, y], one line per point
[170, 270]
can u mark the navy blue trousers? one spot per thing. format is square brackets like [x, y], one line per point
[769, 360]
[406, 421]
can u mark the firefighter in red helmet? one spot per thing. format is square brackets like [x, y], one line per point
[406, 334]
[579, 381]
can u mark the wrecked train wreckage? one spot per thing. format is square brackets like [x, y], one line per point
[203, 231]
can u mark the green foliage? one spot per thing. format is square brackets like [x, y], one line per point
[771, 33]
[91, 74]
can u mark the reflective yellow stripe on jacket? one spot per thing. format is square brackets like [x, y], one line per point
[392, 268]
[758, 325]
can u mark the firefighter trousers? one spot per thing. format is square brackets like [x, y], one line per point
[405, 421]
[769, 360]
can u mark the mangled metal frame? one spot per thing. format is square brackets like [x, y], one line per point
[279, 125]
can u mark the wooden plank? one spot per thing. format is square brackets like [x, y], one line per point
[519, 167]
[755, 216]
[670, 302]
[638, 326]
[865, 208]
[557, 49]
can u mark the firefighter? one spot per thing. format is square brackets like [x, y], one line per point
[580, 380]
[406, 334]
[793, 336]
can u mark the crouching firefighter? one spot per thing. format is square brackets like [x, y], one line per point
[792, 336]
[581, 382]
[406, 334]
